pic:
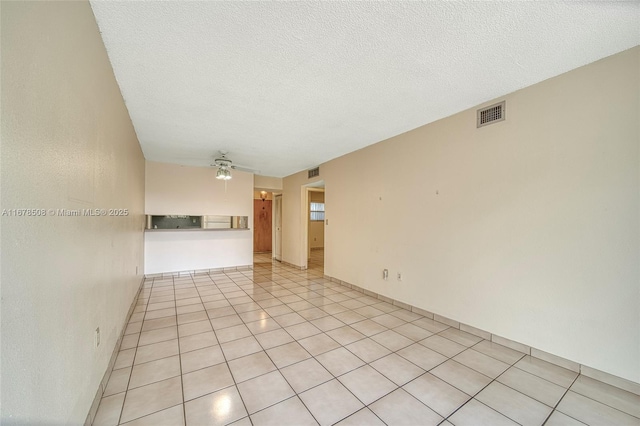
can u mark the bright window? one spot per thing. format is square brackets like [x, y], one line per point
[317, 212]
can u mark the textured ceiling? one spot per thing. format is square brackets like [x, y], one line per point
[285, 86]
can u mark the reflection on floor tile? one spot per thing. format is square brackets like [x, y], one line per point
[218, 408]
[264, 391]
[278, 346]
[207, 380]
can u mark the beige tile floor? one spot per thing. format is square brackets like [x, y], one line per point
[279, 346]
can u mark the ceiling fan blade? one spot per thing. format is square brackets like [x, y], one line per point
[245, 169]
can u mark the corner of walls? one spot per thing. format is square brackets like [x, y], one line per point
[293, 204]
[576, 367]
[91, 416]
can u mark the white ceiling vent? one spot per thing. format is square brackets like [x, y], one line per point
[314, 172]
[491, 114]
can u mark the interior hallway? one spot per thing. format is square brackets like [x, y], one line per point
[277, 345]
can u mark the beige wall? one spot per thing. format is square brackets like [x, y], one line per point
[528, 228]
[67, 143]
[175, 189]
[180, 190]
[267, 183]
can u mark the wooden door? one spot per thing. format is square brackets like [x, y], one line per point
[261, 225]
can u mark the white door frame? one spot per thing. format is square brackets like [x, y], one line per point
[305, 249]
[277, 227]
[309, 191]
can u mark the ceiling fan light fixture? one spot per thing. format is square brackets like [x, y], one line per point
[223, 173]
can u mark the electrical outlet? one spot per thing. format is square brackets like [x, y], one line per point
[96, 340]
[399, 276]
[385, 274]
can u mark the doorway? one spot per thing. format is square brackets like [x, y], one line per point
[262, 222]
[316, 221]
[313, 241]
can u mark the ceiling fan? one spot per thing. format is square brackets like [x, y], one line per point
[224, 165]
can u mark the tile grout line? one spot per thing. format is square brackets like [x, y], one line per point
[297, 281]
[184, 410]
[566, 389]
[157, 411]
[297, 362]
[553, 410]
[365, 337]
[473, 397]
[296, 394]
[426, 371]
[126, 391]
[334, 377]
[235, 385]
[513, 365]
[590, 398]
[365, 406]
